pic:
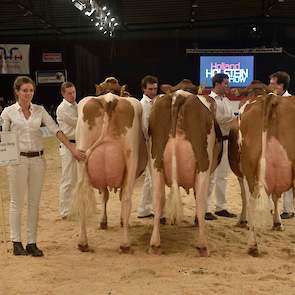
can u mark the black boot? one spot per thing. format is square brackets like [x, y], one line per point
[33, 250]
[18, 249]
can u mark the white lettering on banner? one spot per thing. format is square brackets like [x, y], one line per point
[235, 73]
[9, 152]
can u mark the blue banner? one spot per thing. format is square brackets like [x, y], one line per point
[240, 69]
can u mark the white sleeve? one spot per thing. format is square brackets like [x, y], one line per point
[6, 120]
[49, 122]
[62, 116]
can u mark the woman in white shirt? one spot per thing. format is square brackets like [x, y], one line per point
[25, 119]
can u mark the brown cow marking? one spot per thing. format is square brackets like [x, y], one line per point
[193, 119]
[218, 147]
[122, 117]
[250, 150]
[233, 149]
[92, 109]
[142, 155]
[159, 127]
[197, 124]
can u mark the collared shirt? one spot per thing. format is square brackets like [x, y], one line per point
[286, 93]
[67, 117]
[224, 112]
[28, 130]
[146, 103]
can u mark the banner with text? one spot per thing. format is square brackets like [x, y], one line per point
[14, 59]
[240, 69]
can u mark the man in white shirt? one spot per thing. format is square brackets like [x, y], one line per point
[149, 85]
[224, 117]
[280, 82]
[67, 116]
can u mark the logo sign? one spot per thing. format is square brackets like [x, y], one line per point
[14, 59]
[52, 57]
[9, 153]
[240, 69]
[51, 77]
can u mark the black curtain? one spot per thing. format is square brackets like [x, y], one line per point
[86, 71]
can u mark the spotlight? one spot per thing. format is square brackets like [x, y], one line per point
[79, 5]
[89, 13]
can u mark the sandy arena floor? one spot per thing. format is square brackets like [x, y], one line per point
[64, 270]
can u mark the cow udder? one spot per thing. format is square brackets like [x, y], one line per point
[106, 165]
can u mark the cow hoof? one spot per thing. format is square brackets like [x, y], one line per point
[155, 250]
[203, 251]
[278, 227]
[243, 224]
[253, 251]
[103, 225]
[125, 250]
[163, 220]
[83, 248]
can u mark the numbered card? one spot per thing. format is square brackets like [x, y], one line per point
[9, 151]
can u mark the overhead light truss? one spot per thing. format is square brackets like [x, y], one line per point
[99, 14]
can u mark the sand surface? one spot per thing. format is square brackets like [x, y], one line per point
[64, 270]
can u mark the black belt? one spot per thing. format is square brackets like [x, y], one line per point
[225, 137]
[72, 140]
[31, 154]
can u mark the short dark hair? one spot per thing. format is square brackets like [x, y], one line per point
[218, 78]
[65, 85]
[148, 80]
[282, 78]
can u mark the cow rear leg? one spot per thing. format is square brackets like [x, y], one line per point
[104, 219]
[277, 222]
[159, 201]
[83, 242]
[243, 223]
[201, 188]
[252, 242]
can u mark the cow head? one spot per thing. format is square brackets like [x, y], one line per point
[185, 85]
[112, 85]
[254, 89]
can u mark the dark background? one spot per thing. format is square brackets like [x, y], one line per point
[152, 39]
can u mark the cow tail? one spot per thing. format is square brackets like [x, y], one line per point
[174, 208]
[83, 196]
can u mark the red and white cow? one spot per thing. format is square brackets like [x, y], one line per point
[109, 130]
[266, 153]
[183, 149]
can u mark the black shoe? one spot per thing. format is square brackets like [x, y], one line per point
[225, 213]
[287, 215]
[33, 250]
[18, 249]
[210, 216]
[146, 216]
